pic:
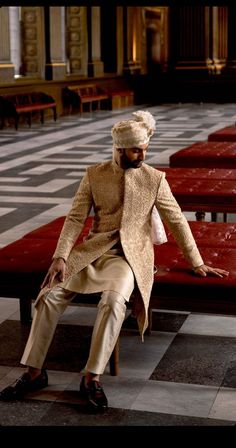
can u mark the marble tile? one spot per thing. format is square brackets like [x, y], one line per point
[119, 423]
[209, 325]
[224, 405]
[13, 179]
[196, 359]
[20, 415]
[20, 230]
[122, 391]
[8, 307]
[57, 383]
[4, 370]
[50, 187]
[175, 398]
[6, 210]
[230, 375]
[40, 169]
[138, 359]
[161, 321]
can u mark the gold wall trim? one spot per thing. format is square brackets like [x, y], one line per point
[56, 64]
[6, 65]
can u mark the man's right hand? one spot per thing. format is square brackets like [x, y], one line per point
[56, 270]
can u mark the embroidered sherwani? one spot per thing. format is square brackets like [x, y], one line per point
[123, 201]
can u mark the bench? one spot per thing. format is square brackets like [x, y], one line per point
[74, 97]
[203, 189]
[13, 106]
[206, 155]
[121, 98]
[24, 263]
[226, 134]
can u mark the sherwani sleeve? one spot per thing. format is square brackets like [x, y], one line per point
[75, 219]
[175, 220]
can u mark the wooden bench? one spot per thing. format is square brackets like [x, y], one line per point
[121, 98]
[206, 155]
[24, 263]
[74, 97]
[13, 106]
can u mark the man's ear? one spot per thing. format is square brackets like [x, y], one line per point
[120, 150]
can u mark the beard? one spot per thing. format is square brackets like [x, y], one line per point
[126, 163]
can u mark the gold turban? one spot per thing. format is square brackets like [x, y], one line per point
[135, 132]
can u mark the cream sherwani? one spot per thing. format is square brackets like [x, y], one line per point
[123, 201]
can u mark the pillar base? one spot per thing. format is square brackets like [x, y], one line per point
[7, 72]
[132, 68]
[95, 69]
[55, 70]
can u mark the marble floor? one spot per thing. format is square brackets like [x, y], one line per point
[184, 373]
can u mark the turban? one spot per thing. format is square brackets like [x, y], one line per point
[135, 132]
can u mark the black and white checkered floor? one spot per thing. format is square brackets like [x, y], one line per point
[184, 374]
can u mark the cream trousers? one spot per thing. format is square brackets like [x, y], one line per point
[110, 316]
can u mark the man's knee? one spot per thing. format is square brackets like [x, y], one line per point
[54, 296]
[113, 300]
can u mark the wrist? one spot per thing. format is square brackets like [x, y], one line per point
[60, 258]
[197, 267]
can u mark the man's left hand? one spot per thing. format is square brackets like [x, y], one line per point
[205, 270]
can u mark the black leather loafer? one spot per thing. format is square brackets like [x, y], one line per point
[23, 385]
[94, 395]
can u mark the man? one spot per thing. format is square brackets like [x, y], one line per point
[116, 256]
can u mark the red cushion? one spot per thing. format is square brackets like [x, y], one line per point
[24, 263]
[174, 269]
[34, 107]
[27, 255]
[48, 231]
[226, 134]
[208, 192]
[33, 252]
[206, 154]
[199, 173]
[211, 234]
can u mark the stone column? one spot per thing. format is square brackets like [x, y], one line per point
[77, 40]
[6, 66]
[132, 41]
[231, 60]
[95, 65]
[119, 40]
[219, 38]
[15, 39]
[188, 35]
[55, 67]
[33, 57]
[156, 22]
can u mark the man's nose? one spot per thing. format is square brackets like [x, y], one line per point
[142, 155]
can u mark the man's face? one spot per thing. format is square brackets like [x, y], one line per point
[131, 157]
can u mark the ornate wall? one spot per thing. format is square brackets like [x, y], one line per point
[33, 55]
[71, 43]
[6, 66]
[77, 44]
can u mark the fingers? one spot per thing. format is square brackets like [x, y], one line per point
[208, 270]
[218, 272]
[51, 279]
[201, 272]
[45, 281]
[52, 274]
[48, 280]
